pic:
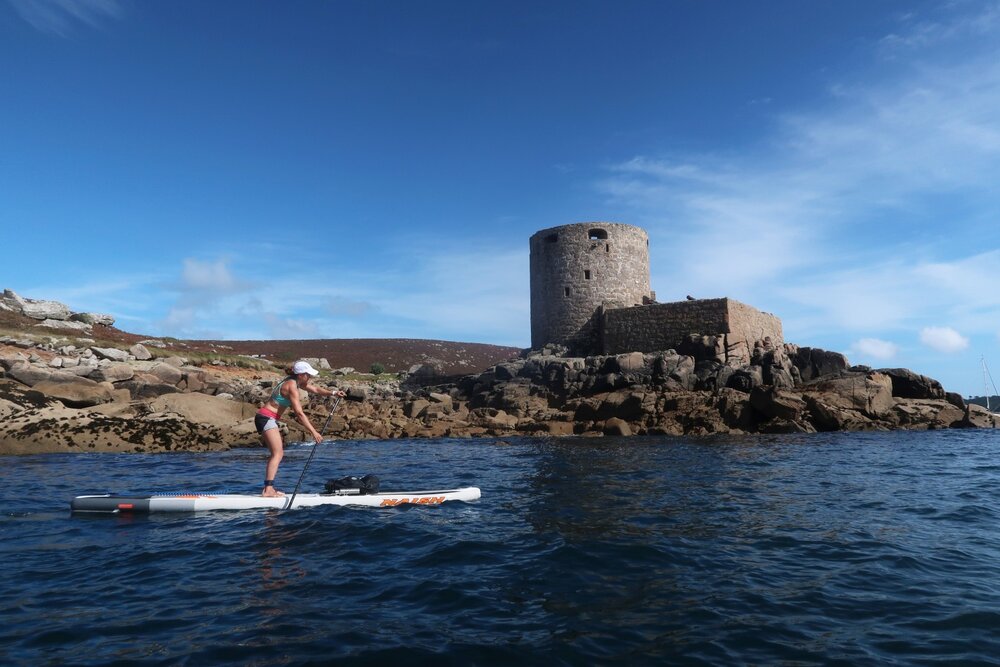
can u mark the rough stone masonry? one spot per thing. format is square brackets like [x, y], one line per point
[590, 291]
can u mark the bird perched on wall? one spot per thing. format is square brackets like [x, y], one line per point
[690, 298]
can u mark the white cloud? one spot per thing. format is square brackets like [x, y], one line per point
[341, 306]
[874, 348]
[285, 328]
[59, 17]
[444, 291]
[921, 33]
[208, 276]
[210, 298]
[896, 293]
[718, 224]
[943, 339]
[873, 212]
[464, 295]
[179, 319]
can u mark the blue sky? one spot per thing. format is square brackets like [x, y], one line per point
[309, 169]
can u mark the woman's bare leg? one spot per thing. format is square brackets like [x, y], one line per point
[272, 439]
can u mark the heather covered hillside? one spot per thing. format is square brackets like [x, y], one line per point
[394, 354]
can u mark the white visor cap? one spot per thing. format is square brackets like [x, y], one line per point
[302, 367]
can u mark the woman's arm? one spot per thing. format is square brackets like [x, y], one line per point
[300, 414]
[323, 391]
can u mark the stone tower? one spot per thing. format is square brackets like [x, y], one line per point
[576, 269]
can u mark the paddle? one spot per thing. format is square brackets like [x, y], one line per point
[309, 460]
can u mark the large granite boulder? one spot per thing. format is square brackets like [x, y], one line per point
[31, 374]
[319, 363]
[57, 428]
[166, 373]
[93, 318]
[8, 359]
[616, 427]
[868, 393]
[140, 352]
[110, 353]
[65, 325]
[76, 393]
[979, 417]
[428, 372]
[203, 409]
[12, 300]
[113, 372]
[35, 308]
[774, 403]
[629, 405]
[143, 387]
[45, 310]
[917, 414]
[814, 363]
[907, 384]
[831, 415]
[674, 371]
[16, 393]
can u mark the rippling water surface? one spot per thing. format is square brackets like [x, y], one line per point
[825, 549]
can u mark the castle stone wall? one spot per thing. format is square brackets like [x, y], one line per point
[747, 326]
[576, 269]
[665, 326]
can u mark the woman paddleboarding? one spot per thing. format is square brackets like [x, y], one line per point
[286, 395]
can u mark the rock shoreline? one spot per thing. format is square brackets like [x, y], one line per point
[76, 398]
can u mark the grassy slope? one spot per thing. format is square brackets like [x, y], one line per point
[395, 354]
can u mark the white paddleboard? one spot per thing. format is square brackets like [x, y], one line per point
[201, 502]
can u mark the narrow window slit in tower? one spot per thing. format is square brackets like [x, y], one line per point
[586, 274]
[607, 247]
[567, 291]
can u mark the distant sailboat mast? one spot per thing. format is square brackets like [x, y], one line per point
[987, 383]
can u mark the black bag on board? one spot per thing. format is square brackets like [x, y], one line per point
[353, 485]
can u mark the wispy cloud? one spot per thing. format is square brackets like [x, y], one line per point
[212, 277]
[897, 293]
[207, 291]
[341, 306]
[288, 328]
[873, 348]
[468, 292]
[61, 17]
[855, 215]
[867, 222]
[917, 33]
[943, 339]
[444, 291]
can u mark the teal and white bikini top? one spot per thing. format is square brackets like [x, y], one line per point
[276, 394]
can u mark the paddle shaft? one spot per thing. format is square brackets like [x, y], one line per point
[309, 460]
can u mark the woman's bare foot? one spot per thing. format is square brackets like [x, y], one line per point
[271, 492]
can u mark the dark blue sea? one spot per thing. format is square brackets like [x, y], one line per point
[850, 549]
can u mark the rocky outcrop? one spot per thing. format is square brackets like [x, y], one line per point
[70, 398]
[907, 384]
[76, 395]
[57, 428]
[52, 314]
[783, 389]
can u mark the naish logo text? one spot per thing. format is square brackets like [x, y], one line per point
[426, 500]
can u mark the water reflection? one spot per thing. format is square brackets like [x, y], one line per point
[277, 571]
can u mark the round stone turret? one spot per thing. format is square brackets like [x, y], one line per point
[576, 269]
